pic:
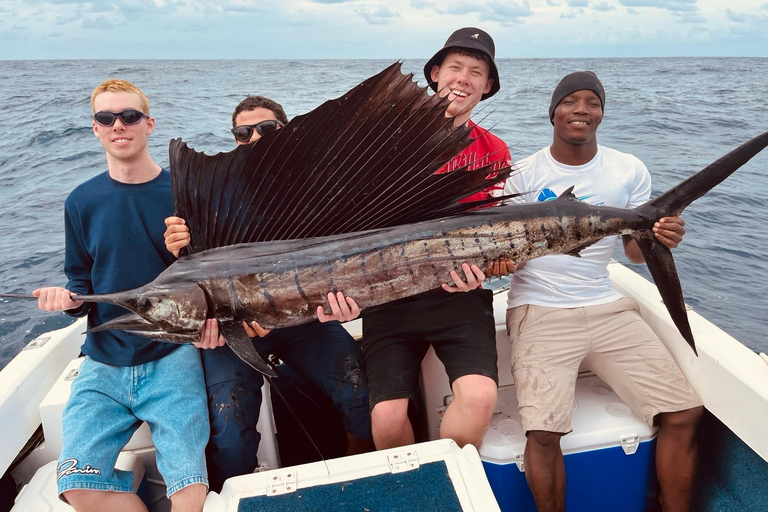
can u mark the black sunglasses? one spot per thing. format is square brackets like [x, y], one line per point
[128, 116]
[243, 133]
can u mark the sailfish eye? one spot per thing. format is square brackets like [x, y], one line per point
[143, 304]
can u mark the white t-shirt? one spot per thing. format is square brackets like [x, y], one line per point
[611, 178]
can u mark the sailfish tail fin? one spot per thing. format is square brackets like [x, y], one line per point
[658, 257]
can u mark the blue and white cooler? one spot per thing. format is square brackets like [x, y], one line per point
[608, 456]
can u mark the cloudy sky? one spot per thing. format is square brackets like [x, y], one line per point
[53, 29]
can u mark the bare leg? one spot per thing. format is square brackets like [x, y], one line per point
[676, 457]
[390, 424]
[83, 500]
[466, 418]
[545, 470]
[189, 499]
[357, 445]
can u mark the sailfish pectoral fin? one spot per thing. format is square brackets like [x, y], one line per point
[659, 259]
[129, 322]
[134, 324]
[242, 345]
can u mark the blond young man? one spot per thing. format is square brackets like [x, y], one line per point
[114, 241]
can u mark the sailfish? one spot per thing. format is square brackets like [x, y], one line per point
[346, 198]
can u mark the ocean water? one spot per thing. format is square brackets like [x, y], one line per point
[675, 114]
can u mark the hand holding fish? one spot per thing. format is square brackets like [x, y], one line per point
[55, 298]
[501, 267]
[177, 235]
[209, 336]
[474, 277]
[343, 309]
[670, 231]
[255, 329]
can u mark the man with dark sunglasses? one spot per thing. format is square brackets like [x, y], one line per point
[129, 117]
[323, 354]
[255, 116]
[113, 242]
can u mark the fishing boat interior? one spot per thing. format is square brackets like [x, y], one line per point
[609, 456]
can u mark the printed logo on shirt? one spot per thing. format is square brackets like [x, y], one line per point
[549, 195]
[69, 467]
[472, 160]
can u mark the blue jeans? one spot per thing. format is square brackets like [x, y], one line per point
[109, 403]
[323, 354]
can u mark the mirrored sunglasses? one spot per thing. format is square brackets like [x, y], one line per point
[245, 132]
[128, 116]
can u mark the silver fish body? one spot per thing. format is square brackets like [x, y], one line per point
[281, 284]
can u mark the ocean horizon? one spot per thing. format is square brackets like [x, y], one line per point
[677, 114]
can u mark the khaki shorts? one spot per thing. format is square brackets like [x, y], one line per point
[549, 344]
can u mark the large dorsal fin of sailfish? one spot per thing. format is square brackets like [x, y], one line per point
[363, 161]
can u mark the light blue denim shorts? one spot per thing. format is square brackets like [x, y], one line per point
[109, 403]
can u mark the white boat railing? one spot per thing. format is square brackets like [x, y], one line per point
[730, 378]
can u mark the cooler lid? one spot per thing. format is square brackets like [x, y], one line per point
[600, 420]
[436, 475]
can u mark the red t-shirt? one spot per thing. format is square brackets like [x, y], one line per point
[486, 149]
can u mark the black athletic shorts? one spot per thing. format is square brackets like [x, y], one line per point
[397, 335]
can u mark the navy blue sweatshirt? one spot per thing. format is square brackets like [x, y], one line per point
[114, 242]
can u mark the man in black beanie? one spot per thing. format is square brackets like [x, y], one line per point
[577, 81]
[563, 312]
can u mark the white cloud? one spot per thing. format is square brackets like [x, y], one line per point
[670, 5]
[689, 17]
[736, 16]
[99, 23]
[379, 16]
[386, 29]
[242, 6]
[505, 13]
[603, 6]
[101, 6]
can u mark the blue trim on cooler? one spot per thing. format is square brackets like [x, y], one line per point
[604, 479]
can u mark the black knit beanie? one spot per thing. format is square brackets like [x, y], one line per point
[578, 81]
